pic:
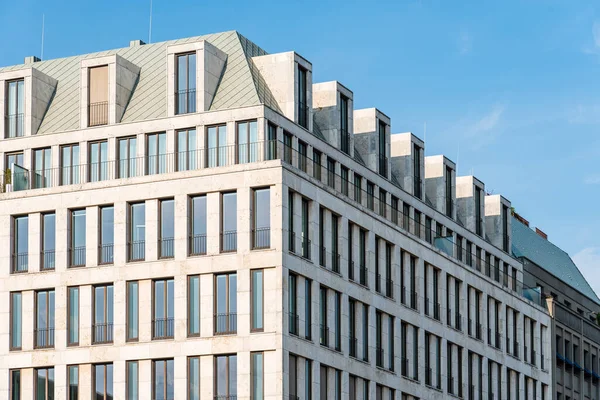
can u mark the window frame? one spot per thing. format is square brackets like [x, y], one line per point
[220, 129]
[70, 367]
[11, 317]
[36, 381]
[128, 292]
[69, 321]
[99, 175]
[127, 380]
[128, 162]
[251, 153]
[105, 366]
[166, 374]
[43, 250]
[189, 155]
[230, 330]
[261, 299]
[101, 230]
[188, 89]
[166, 318]
[189, 306]
[73, 178]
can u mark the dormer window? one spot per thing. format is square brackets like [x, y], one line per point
[15, 106]
[302, 98]
[382, 157]
[448, 192]
[417, 171]
[98, 96]
[344, 136]
[185, 95]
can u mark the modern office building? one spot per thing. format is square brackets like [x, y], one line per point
[198, 219]
[573, 306]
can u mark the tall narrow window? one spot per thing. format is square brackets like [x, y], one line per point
[505, 232]
[448, 194]
[73, 316]
[15, 108]
[308, 381]
[371, 196]
[103, 317]
[48, 241]
[225, 377]
[186, 150]
[352, 328]
[417, 182]
[271, 144]
[293, 376]
[357, 188]
[317, 164]
[156, 154]
[163, 380]
[197, 245]
[382, 203]
[16, 320]
[132, 380]
[247, 141]
[302, 155]
[291, 231]
[382, 149]
[216, 146]
[308, 308]
[257, 374]
[103, 381]
[20, 258]
[69, 162]
[428, 232]
[287, 147]
[194, 305]
[15, 384]
[261, 221]
[305, 227]
[365, 329]
[478, 219]
[185, 95]
[344, 135]
[128, 166]
[391, 341]
[107, 235]
[193, 378]
[73, 382]
[229, 222]
[335, 254]
[378, 339]
[226, 304]
[344, 179]
[293, 304]
[331, 172]
[163, 323]
[257, 306]
[98, 164]
[77, 243]
[362, 255]
[42, 166]
[337, 314]
[324, 331]
[302, 97]
[44, 383]
[98, 96]
[137, 232]
[133, 308]
[167, 229]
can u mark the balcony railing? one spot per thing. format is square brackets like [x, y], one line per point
[225, 323]
[301, 246]
[77, 256]
[102, 333]
[294, 321]
[166, 247]
[106, 253]
[324, 335]
[98, 113]
[136, 250]
[14, 125]
[185, 101]
[44, 338]
[20, 262]
[229, 241]
[197, 245]
[163, 328]
[261, 238]
[47, 260]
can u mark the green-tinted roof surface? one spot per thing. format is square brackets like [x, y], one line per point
[526, 243]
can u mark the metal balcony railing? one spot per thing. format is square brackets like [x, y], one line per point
[185, 101]
[166, 247]
[106, 253]
[77, 256]
[102, 333]
[197, 245]
[47, 260]
[98, 113]
[261, 238]
[163, 328]
[14, 125]
[20, 262]
[225, 323]
[228, 241]
[136, 250]
[44, 338]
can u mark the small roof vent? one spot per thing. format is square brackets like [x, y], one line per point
[31, 59]
[137, 42]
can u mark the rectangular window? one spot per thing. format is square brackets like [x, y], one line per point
[378, 339]
[365, 329]
[382, 148]
[417, 182]
[107, 235]
[13, 158]
[69, 162]
[428, 233]
[352, 328]
[371, 196]
[194, 305]
[478, 219]
[225, 304]
[382, 203]
[261, 221]
[317, 165]
[331, 172]
[448, 193]
[16, 320]
[216, 146]
[44, 319]
[362, 255]
[344, 178]
[358, 188]
[335, 239]
[302, 156]
[323, 384]
[98, 96]
[225, 377]
[15, 108]
[229, 222]
[15, 384]
[133, 309]
[305, 228]
[132, 380]
[73, 382]
[417, 223]
[98, 161]
[193, 378]
[308, 379]
[406, 216]
[156, 154]
[42, 166]
[136, 247]
[103, 381]
[197, 244]
[44, 384]
[391, 341]
[247, 141]
[291, 232]
[287, 147]
[187, 155]
[324, 331]
[337, 314]
[257, 376]
[128, 164]
[271, 145]
[167, 229]
[73, 316]
[185, 93]
[103, 318]
[163, 309]
[344, 135]
[303, 109]
[257, 294]
[395, 208]
[163, 380]
[505, 231]
[308, 308]
[293, 304]
[77, 243]
[48, 241]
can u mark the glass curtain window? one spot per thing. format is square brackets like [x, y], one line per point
[198, 228]
[156, 153]
[103, 382]
[229, 222]
[216, 146]
[42, 166]
[15, 107]
[98, 161]
[247, 141]
[44, 321]
[107, 234]
[193, 378]
[186, 84]
[133, 308]
[73, 382]
[78, 233]
[16, 320]
[72, 316]
[44, 383]
[137, 231]
[69, 161]
[48, 240]
[261, 222]
[194, 305]
[226, 303]
[226, 377]
[162, 373]
[257, 372]
[257, 300]
[164, 309]
[186, 150]
[167, 228]
[132, 380]
[103, 314]
[127, 157]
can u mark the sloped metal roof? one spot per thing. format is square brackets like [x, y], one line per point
[526, 243]
[241, 84]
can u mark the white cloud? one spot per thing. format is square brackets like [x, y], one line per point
[485, 124]
[594, 47]
[588, 262]
[465, 42]
[592, 180]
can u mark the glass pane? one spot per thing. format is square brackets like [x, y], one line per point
[138, 227]
[99, 380]
[192, 148]
[194, 304]
[167, 219]
[192, 71]
[15, 385]
[152, 154]
[170, 380]
[109, 304]
[257, 376]
[221, 294]
[40, 392]
[262, 209]
[232, 293]
[222, 145]
[159, 299]
[78, 229]
[49, 240]
[182, 72]
[170, 298]
[132, 310]
[162, 151]
[199, 215]
[16, 320]
[243, 147]
[194, 379]
[253, 139]
[221, 378]
[229, 212]
[22, 234]
[73, 315]
[73, 383]
[99, 302]
[108, 224]
[232, 375]
[41, 311]
[211, 146]
[132, 381]
[159, 380]
[257, 299]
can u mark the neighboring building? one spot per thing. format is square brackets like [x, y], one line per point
[572, 304]
[197, 219]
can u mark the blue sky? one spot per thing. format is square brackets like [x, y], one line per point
[508, 89]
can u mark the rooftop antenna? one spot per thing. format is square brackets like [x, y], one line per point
[150, 29]
[42, 52]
